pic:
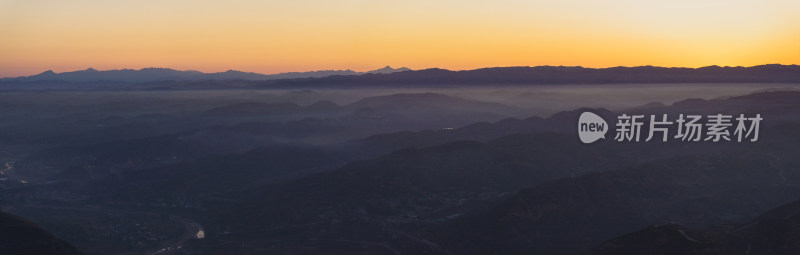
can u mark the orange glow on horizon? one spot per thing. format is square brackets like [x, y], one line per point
[274, 37]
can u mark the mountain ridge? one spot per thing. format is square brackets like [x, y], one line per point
[20, 236]
[155, 74]
[772, 232]
[770, 73]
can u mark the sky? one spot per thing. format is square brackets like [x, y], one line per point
[304, 35]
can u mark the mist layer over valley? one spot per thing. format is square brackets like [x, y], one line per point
[478, 169]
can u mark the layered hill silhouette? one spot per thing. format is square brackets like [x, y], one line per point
[19, 236]
[469, 197]
[574, 213]
[772, 73]
[167, 74]
[774, 232]
[562, 75]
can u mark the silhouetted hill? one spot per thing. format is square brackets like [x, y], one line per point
[413, 186]
[559, 75]
[162, 78]
[776, 232]
[388, 69]
[469, 187]
[774, 105]
[461, 165]
[574, 213]
[778, 105]
[166, 74]
[562, 122]
[664, 239]
[19, 236]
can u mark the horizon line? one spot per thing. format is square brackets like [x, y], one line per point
[365, 71]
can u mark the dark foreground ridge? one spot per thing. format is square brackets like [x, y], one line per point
[18, 236]
[774, 232]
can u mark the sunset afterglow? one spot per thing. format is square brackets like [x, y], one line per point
[282, 36]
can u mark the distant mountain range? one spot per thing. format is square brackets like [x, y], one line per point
[166, 74]
[169, 79]
[562, 75]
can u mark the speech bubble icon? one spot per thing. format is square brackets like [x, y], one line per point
[591, 127]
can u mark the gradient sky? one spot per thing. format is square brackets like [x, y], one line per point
[303, 35]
